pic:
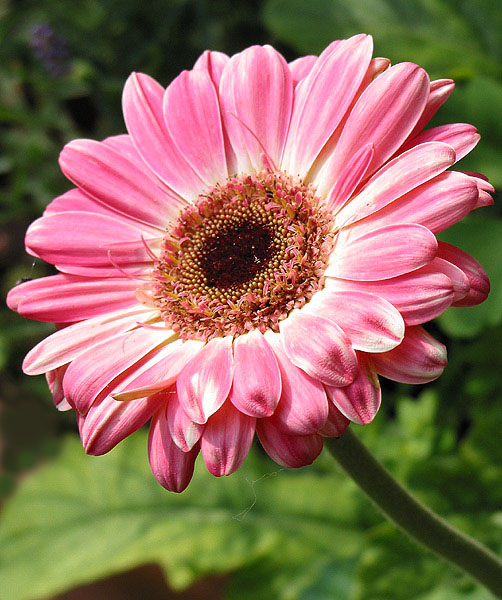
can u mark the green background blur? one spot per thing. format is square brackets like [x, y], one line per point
[69, 520]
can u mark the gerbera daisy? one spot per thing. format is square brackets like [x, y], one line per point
[251, 256]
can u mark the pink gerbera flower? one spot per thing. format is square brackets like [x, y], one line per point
[251, 255]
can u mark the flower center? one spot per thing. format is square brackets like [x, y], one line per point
[243, 256]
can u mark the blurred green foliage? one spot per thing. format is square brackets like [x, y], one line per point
[282, 535]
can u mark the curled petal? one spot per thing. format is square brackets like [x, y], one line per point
[92, 373]
[418, 359]
[108, 422]
[290, 451]
[303, 406]
[478, 279]
[336, 423]
[257, 381]
[462, 137]
[183, 430]
[419, 296]
[360, 400]
[226, 440]
[301, 67]
[319, 347]
[439, 92]
[172, 467]
[213, 63]
[204, 383]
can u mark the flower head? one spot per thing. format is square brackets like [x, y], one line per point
[251, 256]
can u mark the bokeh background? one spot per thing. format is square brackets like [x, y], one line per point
[77, 527]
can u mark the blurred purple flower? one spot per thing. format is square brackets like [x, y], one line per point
[50, 49]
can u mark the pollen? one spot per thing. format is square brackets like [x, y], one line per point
[242, 257]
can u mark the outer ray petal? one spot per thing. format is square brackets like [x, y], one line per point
[163, 373]
[257, 381]
[437, 204]
[460, 136]
[419, 359]
[301, 67]
[256, 95]
[371, 322]
[381, 254]
[226, 440]
[398, 177]
[439, 92]
[419, 296]
[112, 179]
[172, 467]
[322, 99]
[319, 347]
[67, 298]
[142, 105]
[108, 422]
[183, 430]
[192, 116]
[303, 406]
[95, 371]
[101, 242]
[291, 451]
[360, 400]
[212, 63]
[336, 423]
[204, 383]
[384, 116]
[67, 344]
[478, 279]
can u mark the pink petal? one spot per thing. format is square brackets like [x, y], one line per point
[77, 200]
[67, 298]
[459, 280]
[381, 254]
[360, 400]
[322, 99]
[226, 440]
[163, 373]
[142, 101]
[257, 381]
[384, 116]
[301, 67]
[398, 177]
[478, 279]
[192, 116]
[303, 406]
[371, 322]
[55, 383]
[336, 424]
[418, 359]
[96, 371]
[117, 182]
[419, 296]
[437, 204]
[108, 422]
[290, 451]
[183, 430]
[66, 344]
[460, 136]
[439, 92]
[172, 467]
[100, 240]
[319, 347]
[350, 178]
[213, 64]
[204, 383]
[256, 94]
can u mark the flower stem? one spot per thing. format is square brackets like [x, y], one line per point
[420, 523]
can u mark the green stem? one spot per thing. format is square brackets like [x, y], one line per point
[414, 518]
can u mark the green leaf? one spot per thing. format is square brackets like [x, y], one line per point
[80, 518]
[438, 36]
[482, 238]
